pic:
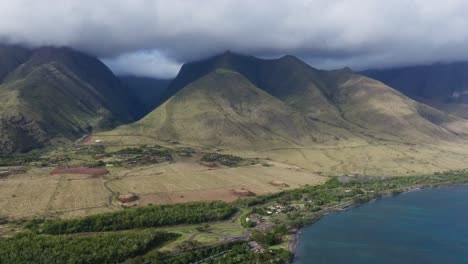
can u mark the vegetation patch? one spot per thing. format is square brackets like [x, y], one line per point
[19, 159]
[141, 156]
[237, 252]
[185, 151]
[226, 160]
[145, 217]
[100, 248]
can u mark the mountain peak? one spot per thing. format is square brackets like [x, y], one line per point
[290, 57]
[227, 53]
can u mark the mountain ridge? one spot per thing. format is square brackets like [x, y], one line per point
[338, 103]
[56, 94]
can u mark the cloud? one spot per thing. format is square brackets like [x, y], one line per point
[143, 63]
[333, 33]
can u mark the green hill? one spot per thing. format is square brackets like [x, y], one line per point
[239, 114]
[55, 94]
[241, 102]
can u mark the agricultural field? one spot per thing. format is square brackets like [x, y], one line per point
[87, 180]
[186, 180]
[89, 177]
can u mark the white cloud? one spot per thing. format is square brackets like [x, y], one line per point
[143, 63]
[358, 33]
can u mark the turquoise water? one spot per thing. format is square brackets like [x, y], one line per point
[428, 226]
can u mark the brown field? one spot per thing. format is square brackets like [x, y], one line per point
[78, 195]
[38, 193]
[25, 197]
[186, 180]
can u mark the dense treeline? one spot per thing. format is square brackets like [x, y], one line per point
[145, 217]
[100, 248]
[262, 199]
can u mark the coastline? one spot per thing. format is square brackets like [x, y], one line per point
[294, 241]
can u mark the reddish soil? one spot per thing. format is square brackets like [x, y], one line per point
[127, 198]
[82, 170]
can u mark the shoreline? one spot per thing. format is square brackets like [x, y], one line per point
[293, 243]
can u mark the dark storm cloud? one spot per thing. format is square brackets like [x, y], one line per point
[333, 33]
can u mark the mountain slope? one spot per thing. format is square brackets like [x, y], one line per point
[208, 106]
[58, 94]
[381, 110]
[443, 86]
[224, 109]
[11, 57]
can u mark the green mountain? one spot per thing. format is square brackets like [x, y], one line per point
[443, 86]
[147, 90]
[242, 102]
[56, 94]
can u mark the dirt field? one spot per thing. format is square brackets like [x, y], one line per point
[79, 195]
[25, 197]
[186, 180]
[39, 193]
